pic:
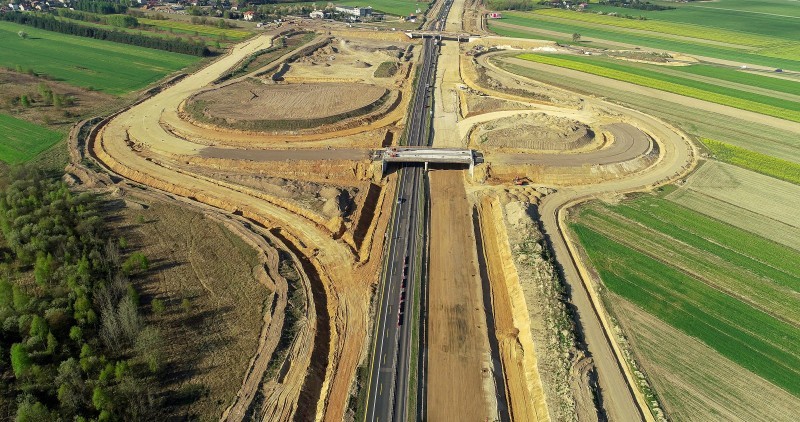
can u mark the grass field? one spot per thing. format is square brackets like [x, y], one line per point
[760, 163]
[110, 67]
[737, 53]
[683, 86]
[702, 32]
[21, 141]
[777, 19]
[721, 285]
[189, 28]
[392, 7]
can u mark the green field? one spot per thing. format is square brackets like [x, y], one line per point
[740, 54]
[392, 7]
[733, 290]
[110, 67]
[189, 28]
[734, 15]
[771, 106]
[20, 141]
[760, 163]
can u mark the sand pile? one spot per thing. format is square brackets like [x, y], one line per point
[536, 131]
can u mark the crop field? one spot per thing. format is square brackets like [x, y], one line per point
[756, 137]
[110, 67]
[672, 28]
[683, 86]
[189, 28]
[694, 382]
[744, 199]
[765, 17]
[731, 290]
[751, 160]
[20, 141]
[392, 7]
[741, 77]
[736, 53]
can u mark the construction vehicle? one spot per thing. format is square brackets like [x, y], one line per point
[521, 181]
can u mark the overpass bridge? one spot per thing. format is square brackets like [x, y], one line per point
[442, 35]
[425, 156]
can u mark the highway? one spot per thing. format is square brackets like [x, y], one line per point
[390, 362]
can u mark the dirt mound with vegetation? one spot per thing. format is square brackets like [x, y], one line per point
[537, 131]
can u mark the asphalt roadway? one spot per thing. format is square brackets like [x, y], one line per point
[390, 364]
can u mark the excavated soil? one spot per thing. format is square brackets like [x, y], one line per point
[250, 100]
[457, 342]
[537, 131]
[346, 59]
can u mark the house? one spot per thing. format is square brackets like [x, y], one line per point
[317, 14]
[495, 15]
[248, 15]
[410, 18]
[358, 12]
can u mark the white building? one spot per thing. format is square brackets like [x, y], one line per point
[360, 12]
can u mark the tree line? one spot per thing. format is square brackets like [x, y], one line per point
[50, 23]
[73, 345]
[98, 6]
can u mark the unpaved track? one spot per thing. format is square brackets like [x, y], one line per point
[343, 284]
[457, 341]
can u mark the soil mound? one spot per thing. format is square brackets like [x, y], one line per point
[537, 131]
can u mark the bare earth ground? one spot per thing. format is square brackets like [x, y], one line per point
[251, 100]
[533, 132]
[694, 382]
[210, 344]
[457, 344]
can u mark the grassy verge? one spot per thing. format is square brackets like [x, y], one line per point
[751, 160]
[21, 141]
[682, 86]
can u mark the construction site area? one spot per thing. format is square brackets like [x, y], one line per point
[298, 139]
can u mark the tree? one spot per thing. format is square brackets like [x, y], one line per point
[22, 34]
[186, 305]
[158, 306]
[30, 410]
[24, 101]
[20, 360]
[576, 37]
